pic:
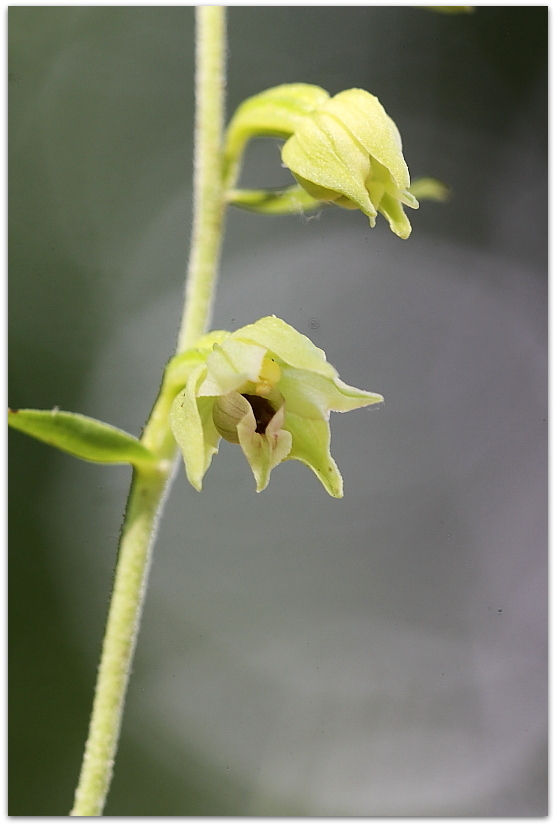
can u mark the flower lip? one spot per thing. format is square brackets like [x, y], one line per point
[234, 408]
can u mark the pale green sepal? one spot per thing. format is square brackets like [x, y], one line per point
[328, 162]
[291, 200]
[264, 451]
[312, 396]
[366, 118]
[81, 436]
[193, 428]
[288, 344]
[430, 189]
[351, 398]
[207, 342]
[311, 445]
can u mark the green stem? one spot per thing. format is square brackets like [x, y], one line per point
[149, 486]
[207, 182]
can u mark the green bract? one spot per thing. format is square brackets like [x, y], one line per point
[267, 388]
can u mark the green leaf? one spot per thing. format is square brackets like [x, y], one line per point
[81, 436]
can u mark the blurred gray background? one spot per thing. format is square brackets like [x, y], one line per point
[380, 655]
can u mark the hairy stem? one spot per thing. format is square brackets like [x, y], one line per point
[119, 642]
[149, 486]
[207, 181]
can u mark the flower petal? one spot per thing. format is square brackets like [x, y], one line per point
[311, 445]
[291, 347]
[193, 428]
[392, 210]
[265, 450]
[231, 365]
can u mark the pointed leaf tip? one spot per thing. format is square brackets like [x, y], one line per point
[81, 436]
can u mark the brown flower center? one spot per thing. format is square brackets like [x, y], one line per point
[262, 410]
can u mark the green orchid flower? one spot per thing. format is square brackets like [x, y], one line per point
[343, 150]
[269, 389]
[349, 152]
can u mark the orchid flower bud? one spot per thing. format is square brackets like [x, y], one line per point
[343, 150]
[268, 389]
[349, 152]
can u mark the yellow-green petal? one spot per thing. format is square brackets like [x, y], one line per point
[230, 365]
[180, 367]
[392, 210]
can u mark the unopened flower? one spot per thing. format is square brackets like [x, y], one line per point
[267, 388]
[349, 152]
[343, 150]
